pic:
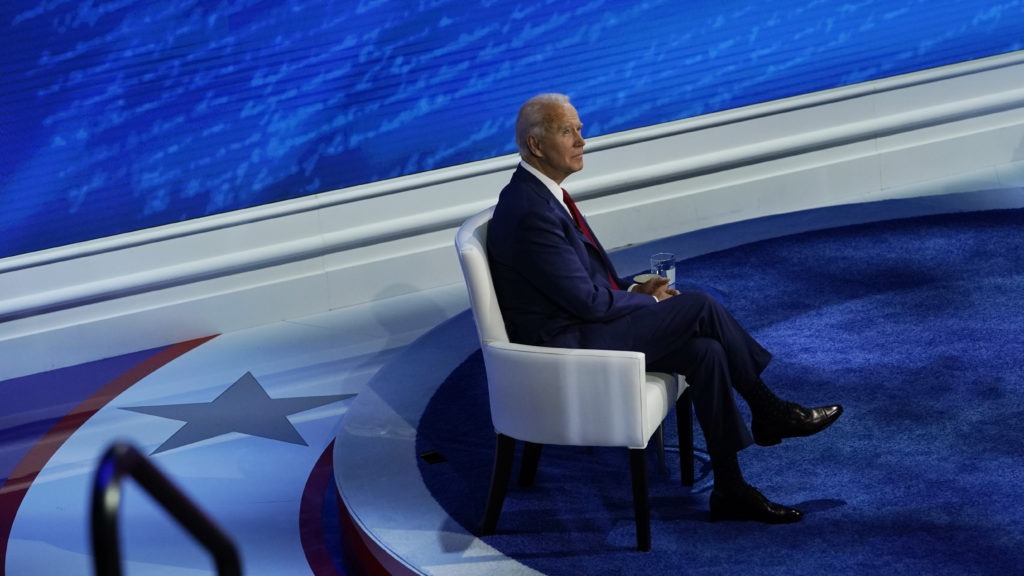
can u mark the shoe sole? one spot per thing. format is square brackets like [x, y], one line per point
[734, 516]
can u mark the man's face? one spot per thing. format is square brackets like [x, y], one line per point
[559, 151]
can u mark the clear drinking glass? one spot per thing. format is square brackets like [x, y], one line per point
[664, 264]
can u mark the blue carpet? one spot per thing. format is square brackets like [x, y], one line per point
[913, 324]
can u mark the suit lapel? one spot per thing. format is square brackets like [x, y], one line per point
[549, 200]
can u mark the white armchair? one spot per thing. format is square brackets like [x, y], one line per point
[543, 395]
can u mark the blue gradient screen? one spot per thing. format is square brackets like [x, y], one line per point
[121, 115]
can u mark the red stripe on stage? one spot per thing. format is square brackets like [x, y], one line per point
[13, 491]
[311, 516]
[365, 555]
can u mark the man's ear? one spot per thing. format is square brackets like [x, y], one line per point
[533, 144]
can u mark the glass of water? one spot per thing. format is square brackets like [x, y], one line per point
[664, 264]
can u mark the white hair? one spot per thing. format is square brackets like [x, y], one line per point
[531, 119]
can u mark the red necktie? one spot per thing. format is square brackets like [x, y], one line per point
[582, 225]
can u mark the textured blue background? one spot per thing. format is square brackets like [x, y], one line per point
[127, 114]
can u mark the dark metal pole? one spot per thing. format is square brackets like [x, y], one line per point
[122, 460]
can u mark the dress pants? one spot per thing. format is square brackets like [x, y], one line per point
[694, 335]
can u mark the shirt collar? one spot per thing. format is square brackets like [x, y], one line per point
[550, 184]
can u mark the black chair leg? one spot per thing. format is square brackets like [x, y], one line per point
[641, 508]
[503, 456]
[659, 439]
[531, 459]
[684, 424]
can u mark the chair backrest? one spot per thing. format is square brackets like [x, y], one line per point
[471, 243]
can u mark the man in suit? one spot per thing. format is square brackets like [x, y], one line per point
[557, 287]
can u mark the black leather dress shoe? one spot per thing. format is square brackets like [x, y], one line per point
[747, 503]
[794, 421]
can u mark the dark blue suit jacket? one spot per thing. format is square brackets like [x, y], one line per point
[550, 279]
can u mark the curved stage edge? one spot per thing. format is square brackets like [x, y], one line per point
[392, 524]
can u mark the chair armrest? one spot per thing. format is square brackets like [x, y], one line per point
[575, 396]
[614, 356]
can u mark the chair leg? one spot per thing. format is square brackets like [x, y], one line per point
[641, 508]
[503, 456]
[531, 458]
[659, 439]
[684, 424]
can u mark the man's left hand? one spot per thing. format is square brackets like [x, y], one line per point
[657, 287]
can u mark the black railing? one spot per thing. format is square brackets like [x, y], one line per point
[123, 460]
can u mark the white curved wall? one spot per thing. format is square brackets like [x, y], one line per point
[955, 129]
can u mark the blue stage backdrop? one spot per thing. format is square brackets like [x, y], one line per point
[120, 115]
